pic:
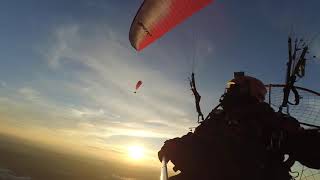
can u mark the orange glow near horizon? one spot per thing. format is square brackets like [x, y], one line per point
[75, 144]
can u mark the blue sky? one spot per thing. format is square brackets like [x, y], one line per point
[67, 69]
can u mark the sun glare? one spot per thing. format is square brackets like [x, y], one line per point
[135, 152]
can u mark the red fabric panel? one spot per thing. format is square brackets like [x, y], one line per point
[139, 83]
[156, 17]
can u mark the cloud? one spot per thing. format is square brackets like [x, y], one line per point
[3, 84]
[60, 46]
[29, 93]
[148, 142]
[6, 174]
[112, 71]
[97, 101]
[121, 177]
[93, 113]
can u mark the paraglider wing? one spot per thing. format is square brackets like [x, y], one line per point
[156, 17]
[139, 83]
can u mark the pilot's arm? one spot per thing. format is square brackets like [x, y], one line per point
[177, 150]
[304, 146]
[301, 144]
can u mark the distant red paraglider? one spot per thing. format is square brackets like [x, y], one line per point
[139, 83]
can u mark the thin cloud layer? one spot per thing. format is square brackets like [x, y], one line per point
[121, 177]
[103, 105]
[110, 75]
[6, 174]
[3, 84]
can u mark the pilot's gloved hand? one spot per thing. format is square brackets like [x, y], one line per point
[168, 149]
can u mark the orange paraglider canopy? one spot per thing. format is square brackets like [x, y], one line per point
[156, 17]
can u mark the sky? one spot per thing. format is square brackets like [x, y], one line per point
[68, 71]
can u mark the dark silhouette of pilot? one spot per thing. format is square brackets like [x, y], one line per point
[244, 138]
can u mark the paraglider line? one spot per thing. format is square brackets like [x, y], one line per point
[194, 51]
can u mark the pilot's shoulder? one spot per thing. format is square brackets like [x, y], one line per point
[264, 107]
[215, 115]
[214, 119]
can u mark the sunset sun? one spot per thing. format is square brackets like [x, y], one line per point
[135, 152]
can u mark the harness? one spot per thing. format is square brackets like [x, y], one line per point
[246, 124]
